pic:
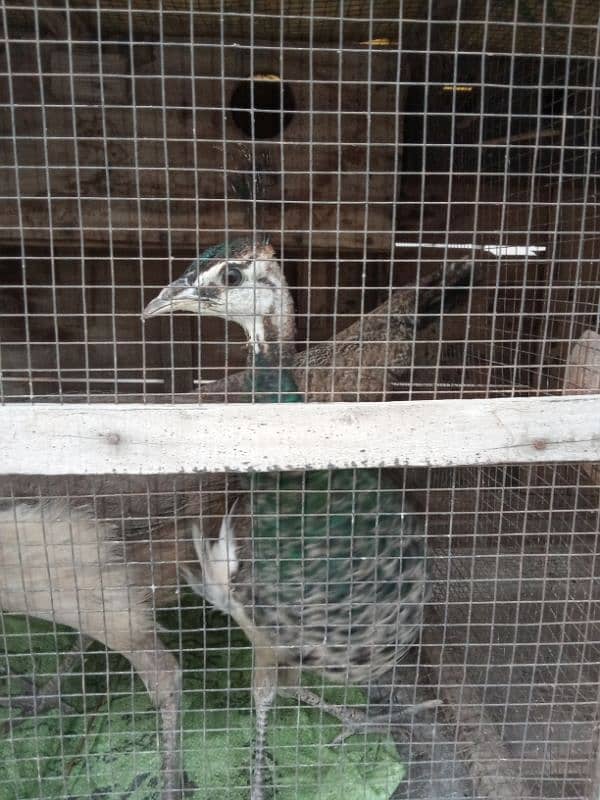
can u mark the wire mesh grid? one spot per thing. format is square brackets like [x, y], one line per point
[509, 639]
[427, 179]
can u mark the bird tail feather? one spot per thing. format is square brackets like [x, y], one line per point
[444, 290]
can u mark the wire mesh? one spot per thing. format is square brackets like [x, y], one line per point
[511, 623]
[427, 177]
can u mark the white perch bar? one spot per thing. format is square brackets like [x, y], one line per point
[54, 439]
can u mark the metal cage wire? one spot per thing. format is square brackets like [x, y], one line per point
[376, 145]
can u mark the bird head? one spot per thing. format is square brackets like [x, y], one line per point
[241, 282]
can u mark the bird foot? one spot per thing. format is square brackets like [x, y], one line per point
[34, 701]
[354, 721]
[359, 722]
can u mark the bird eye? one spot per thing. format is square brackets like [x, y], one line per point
[234, 276]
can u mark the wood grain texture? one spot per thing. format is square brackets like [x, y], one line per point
[136, 439]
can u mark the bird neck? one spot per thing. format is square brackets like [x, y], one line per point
[271, 358]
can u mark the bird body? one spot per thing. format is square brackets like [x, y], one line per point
[327, 566]
[362, 361]
[60, 562]
[321, 569]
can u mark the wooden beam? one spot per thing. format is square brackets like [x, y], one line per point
[52, 439]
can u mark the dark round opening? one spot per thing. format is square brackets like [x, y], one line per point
[273, 104]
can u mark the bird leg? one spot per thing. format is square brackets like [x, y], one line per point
[38, 701]
[159, 670]
[353, 720]
[264, 689]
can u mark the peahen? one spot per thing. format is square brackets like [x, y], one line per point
[365, 360]
[323, 570]
[113, 517]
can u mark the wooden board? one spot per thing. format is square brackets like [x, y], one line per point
[140, 146]
[133, 439]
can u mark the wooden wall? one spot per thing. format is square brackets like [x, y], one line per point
[79, 319]
[136, 144]
[119, 161]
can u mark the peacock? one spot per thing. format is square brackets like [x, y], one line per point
[323, 570]
[365, 360]
[124, 524]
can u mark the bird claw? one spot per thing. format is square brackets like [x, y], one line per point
[32, 711]
[356, 722]
[33, 703]
[37, 702]
[357, 728]
[359, 723]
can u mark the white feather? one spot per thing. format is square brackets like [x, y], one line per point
[219, 563]
[249, 303]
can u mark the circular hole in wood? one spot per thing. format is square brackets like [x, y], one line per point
[262, 107]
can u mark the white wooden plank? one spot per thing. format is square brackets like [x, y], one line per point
[131, 439]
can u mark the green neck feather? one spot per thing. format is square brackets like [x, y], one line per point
[271, 382]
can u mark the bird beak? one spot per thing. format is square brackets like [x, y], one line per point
[176, 297]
